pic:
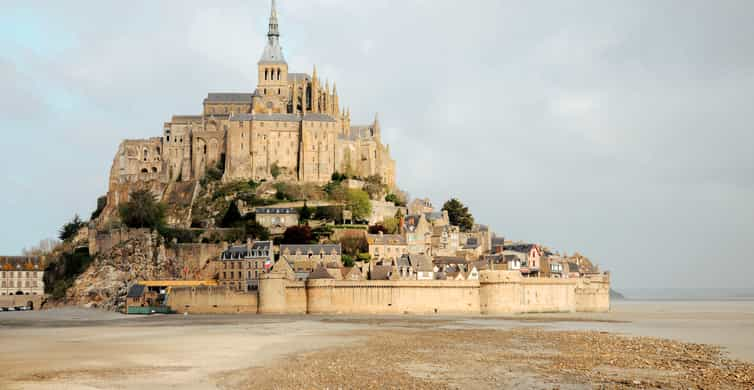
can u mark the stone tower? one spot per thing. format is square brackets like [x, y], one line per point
[272, 69]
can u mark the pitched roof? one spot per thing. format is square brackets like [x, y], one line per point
[448, 260]
[411, 222]
[421, 263]
[275, 210]
[229, 97]
[386, 239]
[136, 291]
[380, 272]
[320, 273]
[314, 249]
[314, 117]
[298, 77]
[258, 249]
[21, 262]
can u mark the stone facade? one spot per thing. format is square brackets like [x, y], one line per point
[493, 293]
[386, 247]
[21, 276]
[239, 267]
[290, 127]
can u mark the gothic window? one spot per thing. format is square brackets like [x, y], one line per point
[265, 74]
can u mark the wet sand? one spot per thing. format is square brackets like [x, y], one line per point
[83, 349]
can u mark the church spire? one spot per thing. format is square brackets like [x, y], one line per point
[273, 53]
[273, 31]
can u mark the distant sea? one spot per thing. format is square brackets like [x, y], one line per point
[687, 294]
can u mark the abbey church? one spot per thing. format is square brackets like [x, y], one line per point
[291, 127]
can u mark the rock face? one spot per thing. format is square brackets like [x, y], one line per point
[106, 281]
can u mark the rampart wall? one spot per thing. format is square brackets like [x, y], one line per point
[496, 293]
[211, 300]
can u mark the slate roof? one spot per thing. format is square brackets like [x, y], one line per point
[229, 97]
[298, 76]
[314, 117]
[411, 222]
[320, 273]
[282, 117]
[9, 263]
[380, 272]
[421, 263]
[519, 247]
[275, 210]
[448, 260]
[136, 291]
[433, 216]
[314, 249]
[386, 239]
[259, 249]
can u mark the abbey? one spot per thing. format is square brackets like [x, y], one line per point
[291, 128]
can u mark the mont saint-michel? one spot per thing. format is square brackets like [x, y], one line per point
[259, 237]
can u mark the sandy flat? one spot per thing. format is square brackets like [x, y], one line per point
[86, 349]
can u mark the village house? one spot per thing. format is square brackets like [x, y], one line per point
[240, 266]
[276, 219]
[450, 264]
[386, 247]
[422, 266]
[306, 258]
[533, 256]
[418, 234]
[444, 240]
[553, 267]
[21, 276]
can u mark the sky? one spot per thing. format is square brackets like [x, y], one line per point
[620, 129]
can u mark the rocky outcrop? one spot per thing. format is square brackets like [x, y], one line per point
[106, 281]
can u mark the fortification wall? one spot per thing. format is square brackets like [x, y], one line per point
[496, 293]
[211, 300]
[392, 297]
[21, 300]
[593, 293]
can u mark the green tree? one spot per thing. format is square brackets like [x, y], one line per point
[142, 211]
[70, 229]
[358, 202]
[459, 214]
[232, 217]
[352, 245]
[397, 199]
[374, 186]
[254, 229]
[305, 213]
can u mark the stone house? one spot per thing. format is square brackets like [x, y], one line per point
[386, 247]
[422, 266]
[276, 219]
[445, 240]
[418, 234]
[450, 263]
[533, 256]
[306, 258]
[240, 266]
[21, 275]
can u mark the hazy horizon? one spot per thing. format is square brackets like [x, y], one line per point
[621, 130]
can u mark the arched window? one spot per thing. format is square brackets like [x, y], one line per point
[278, 76]
[265, 73]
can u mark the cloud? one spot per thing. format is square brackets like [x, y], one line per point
[607, 128]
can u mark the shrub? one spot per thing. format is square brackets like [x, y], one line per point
[70, 229]
[142, 211]
[352, 245]
[298, 235]
[275, 170]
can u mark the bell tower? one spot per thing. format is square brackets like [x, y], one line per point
[272, 86]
